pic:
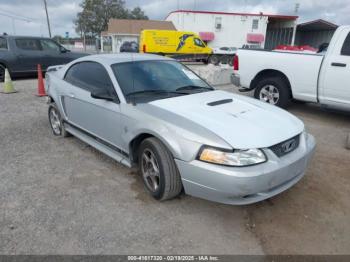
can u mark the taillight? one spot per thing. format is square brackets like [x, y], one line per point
[235, 63]
[144, 48]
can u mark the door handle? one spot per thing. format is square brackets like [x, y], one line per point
[339, 64]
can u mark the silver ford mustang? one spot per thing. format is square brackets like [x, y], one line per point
[154, 112]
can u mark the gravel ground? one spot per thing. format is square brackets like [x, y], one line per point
[60, 196]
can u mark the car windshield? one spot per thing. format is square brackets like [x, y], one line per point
[143, 81]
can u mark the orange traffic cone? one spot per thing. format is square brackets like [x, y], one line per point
[41, 89]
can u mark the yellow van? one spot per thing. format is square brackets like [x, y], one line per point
[168, 42]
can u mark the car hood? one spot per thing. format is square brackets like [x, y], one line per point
[242, 123]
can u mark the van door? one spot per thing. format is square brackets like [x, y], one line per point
[335, 84]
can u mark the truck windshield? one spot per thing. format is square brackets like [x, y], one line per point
[151, 80]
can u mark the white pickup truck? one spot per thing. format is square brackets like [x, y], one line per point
[278, 77]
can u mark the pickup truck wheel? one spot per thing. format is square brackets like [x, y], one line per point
[274, 91]
[214, 59]
[2, 73]
[56, 122]
[158, 170]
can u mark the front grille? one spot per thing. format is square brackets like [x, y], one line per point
[286, 147]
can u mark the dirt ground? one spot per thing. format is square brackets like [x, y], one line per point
[60, 196]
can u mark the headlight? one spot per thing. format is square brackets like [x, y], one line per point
[236, 157]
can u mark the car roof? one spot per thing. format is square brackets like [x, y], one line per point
[109, 59]
[23, 36]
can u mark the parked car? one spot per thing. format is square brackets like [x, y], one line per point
[129, 47]
[154, 112]
[223, 55]
[21, 54]
[277, 77]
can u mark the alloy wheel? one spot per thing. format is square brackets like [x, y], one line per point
[150, 170]
[55, 122]
[269, 94]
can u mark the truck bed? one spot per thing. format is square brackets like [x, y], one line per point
[302, 69]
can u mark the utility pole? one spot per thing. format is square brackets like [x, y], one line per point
[47, 18]
[296, 10]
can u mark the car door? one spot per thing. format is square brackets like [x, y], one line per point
[97, 117]
[335, 85]
[52, 53]
[29, 54]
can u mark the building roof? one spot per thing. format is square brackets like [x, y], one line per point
[284, 17]
[130, 26]
[318, 24]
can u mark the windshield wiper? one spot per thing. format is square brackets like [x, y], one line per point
[193, 87]
[156, 92]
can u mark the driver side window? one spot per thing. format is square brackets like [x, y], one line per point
[90, 76]
[198, 42]
[346, 46]
[49, 45]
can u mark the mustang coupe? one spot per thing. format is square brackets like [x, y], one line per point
[183, 134]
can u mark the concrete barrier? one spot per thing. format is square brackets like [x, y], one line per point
[214, 75]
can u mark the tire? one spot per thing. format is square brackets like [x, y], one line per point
[273, 90]
[224, 59]
[2, 73]
[214, 59]
[230, 60]
[56, 122]
[153, 156]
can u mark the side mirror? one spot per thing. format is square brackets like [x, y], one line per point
[101, 94]
[64, 50]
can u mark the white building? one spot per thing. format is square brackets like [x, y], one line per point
[220, 29]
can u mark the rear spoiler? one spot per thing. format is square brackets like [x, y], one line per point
[54, 68]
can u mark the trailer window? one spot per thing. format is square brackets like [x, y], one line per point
[255, 24]
[3, 43]
[346, 46]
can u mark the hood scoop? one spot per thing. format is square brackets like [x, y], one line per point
[220, 102]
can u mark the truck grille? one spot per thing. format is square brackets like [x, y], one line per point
[286, 147]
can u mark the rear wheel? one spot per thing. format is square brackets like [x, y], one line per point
[273, 90]
[158, 170]
[214, 59]
[2, 73]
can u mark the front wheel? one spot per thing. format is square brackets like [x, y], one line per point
[214, 59]
[2, 73]
[158, 170]
[273, 90]
[56, 122]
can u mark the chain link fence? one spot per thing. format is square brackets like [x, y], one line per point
[88, 45]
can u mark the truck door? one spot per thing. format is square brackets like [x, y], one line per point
[52, 54]
[335, 84]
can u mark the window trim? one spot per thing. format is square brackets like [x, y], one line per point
[112, 87]
[346, 41]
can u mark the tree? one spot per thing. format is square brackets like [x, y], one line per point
[94, 17]
[137, 13]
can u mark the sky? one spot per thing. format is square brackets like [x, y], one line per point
[27, 17]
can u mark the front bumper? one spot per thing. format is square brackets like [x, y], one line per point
[247, 185]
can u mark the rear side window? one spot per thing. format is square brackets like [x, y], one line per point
[90, 76]
[27, 44]
[3, 43]
[346, 46]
